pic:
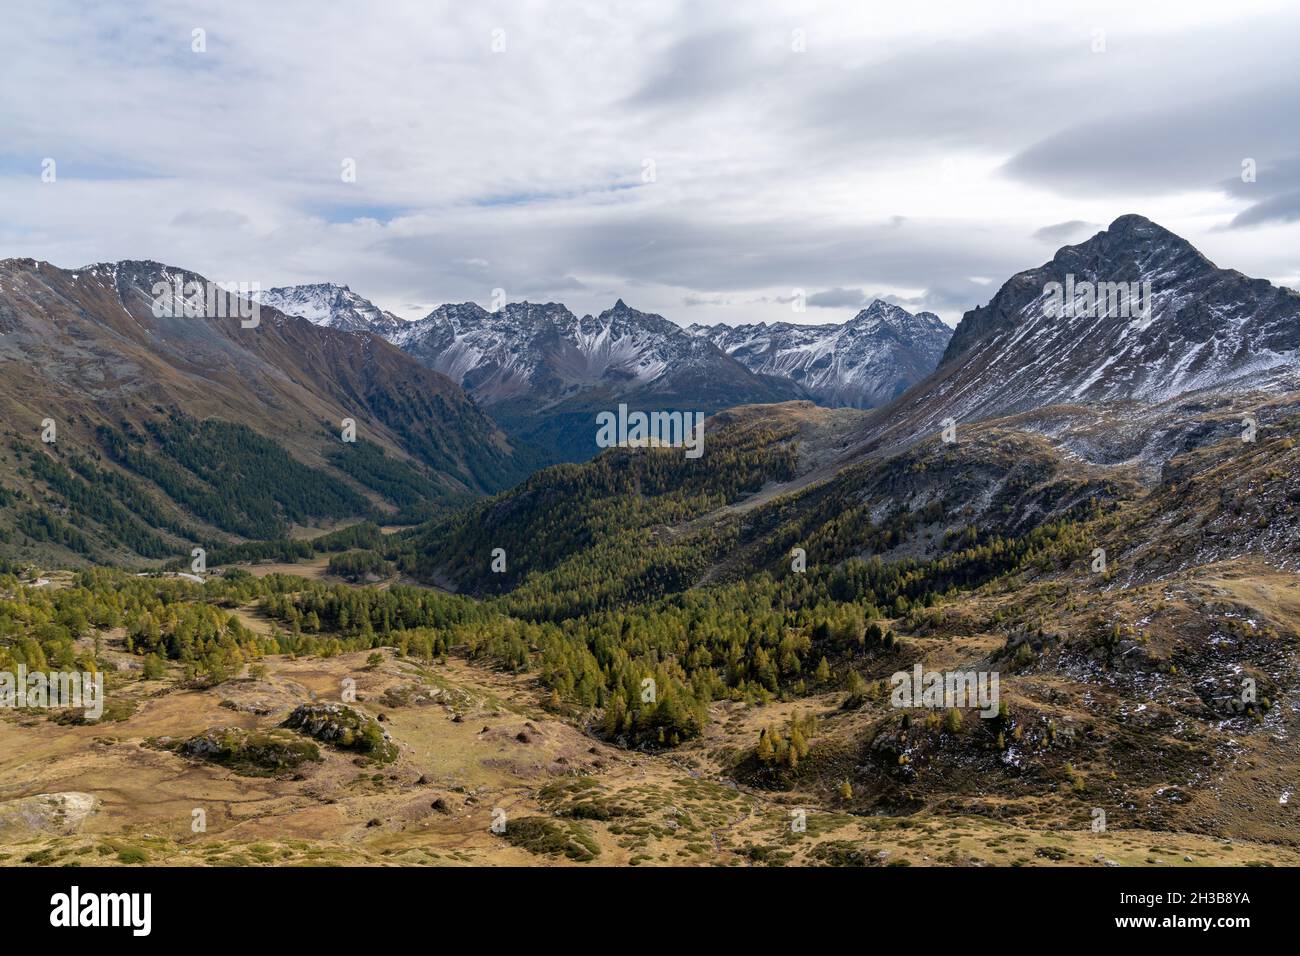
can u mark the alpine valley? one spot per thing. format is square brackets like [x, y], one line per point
[632, 656]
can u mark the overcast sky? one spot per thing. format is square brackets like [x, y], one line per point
[701, 160]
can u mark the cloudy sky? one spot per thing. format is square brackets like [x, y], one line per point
[702, 160]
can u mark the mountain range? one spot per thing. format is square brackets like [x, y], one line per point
[466, 402]
[1100, 505]
[869, 360]
[543, 371]
[1030, 392]
[545, 353]
[169, 429]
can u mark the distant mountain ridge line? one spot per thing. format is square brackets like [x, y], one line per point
[506, 353]
[88, 350]
[539, 366]
[460, 409]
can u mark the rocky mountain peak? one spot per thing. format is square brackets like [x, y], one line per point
[331, 305]
[863, 362]
[1135, 313]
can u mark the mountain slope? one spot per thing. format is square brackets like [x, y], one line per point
[1121, 688]
[544, 372]
[158, 415]
[1206, 327]
[547, 353]
[1053, 419]
[864, 362]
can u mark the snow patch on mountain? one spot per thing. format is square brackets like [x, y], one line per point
[546, 350]
[331, 305]
[864, 362]
[1207, 327]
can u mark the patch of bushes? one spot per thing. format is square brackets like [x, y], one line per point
[345, 728]
[842, 853]
[360, 566]
[250, 753]
[545, 837]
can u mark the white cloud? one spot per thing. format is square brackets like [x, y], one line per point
[905, 150]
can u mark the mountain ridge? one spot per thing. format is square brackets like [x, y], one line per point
[863, 362]
[88, 351]
[1206, 328]
[332, 305]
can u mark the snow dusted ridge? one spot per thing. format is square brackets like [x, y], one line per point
[1207, 327]
[334, 306]
[864, 362]
[543, 352]
[546, 351]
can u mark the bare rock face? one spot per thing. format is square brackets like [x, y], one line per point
[331, 305]
[53, 813]
[865, 362]
[1134, 314]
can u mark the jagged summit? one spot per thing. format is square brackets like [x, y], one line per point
[1135, 313]
[1132, 249]
[331, 305]
[545, 352]
[863, 362]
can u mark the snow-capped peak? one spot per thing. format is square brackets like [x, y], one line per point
[544, 349]
[331, 305]
[863, 362]
[1148, 319]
